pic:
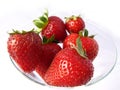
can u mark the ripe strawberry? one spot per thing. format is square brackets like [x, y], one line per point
[74, 24]
[49, 50]
[69, 69]
[25, 49]
[51, 26]
[89, 44]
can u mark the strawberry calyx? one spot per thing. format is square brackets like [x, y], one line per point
[79, 48]
[73, 17]
[49, 40]
[42, 21]
[85, 33]
[21, 31]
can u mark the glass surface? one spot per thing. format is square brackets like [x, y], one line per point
[104, 62]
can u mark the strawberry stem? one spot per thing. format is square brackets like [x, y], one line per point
[81, 34]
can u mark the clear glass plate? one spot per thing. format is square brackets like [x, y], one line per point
[104, 62]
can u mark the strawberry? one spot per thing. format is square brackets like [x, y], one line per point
[49, 50]
[69, 68]
[51, 26]
[25, 49]
[89, 44]
[74, 24]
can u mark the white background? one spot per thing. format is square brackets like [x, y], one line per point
[103, 12]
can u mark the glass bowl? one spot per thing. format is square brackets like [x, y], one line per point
[103, 63]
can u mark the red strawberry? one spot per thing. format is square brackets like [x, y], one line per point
[70, 40]
[25, 49]
[51, 26]
[69, 69]
[89, 44]
[74, 24]
[48, 52]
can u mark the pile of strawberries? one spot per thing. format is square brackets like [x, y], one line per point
[60, 52]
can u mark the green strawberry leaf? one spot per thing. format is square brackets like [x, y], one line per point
[49, 40]
[42, 21]
[85, 32]
[20, 31]
[46, 40]
[44, 17]
[79, 48]
[39, 24]
[92, 36]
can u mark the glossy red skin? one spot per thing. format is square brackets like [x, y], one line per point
[70, 40]
[90, 45]
[48, 53]
[25, 50]
[69, 69]
[74, 26]
[55, 27]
